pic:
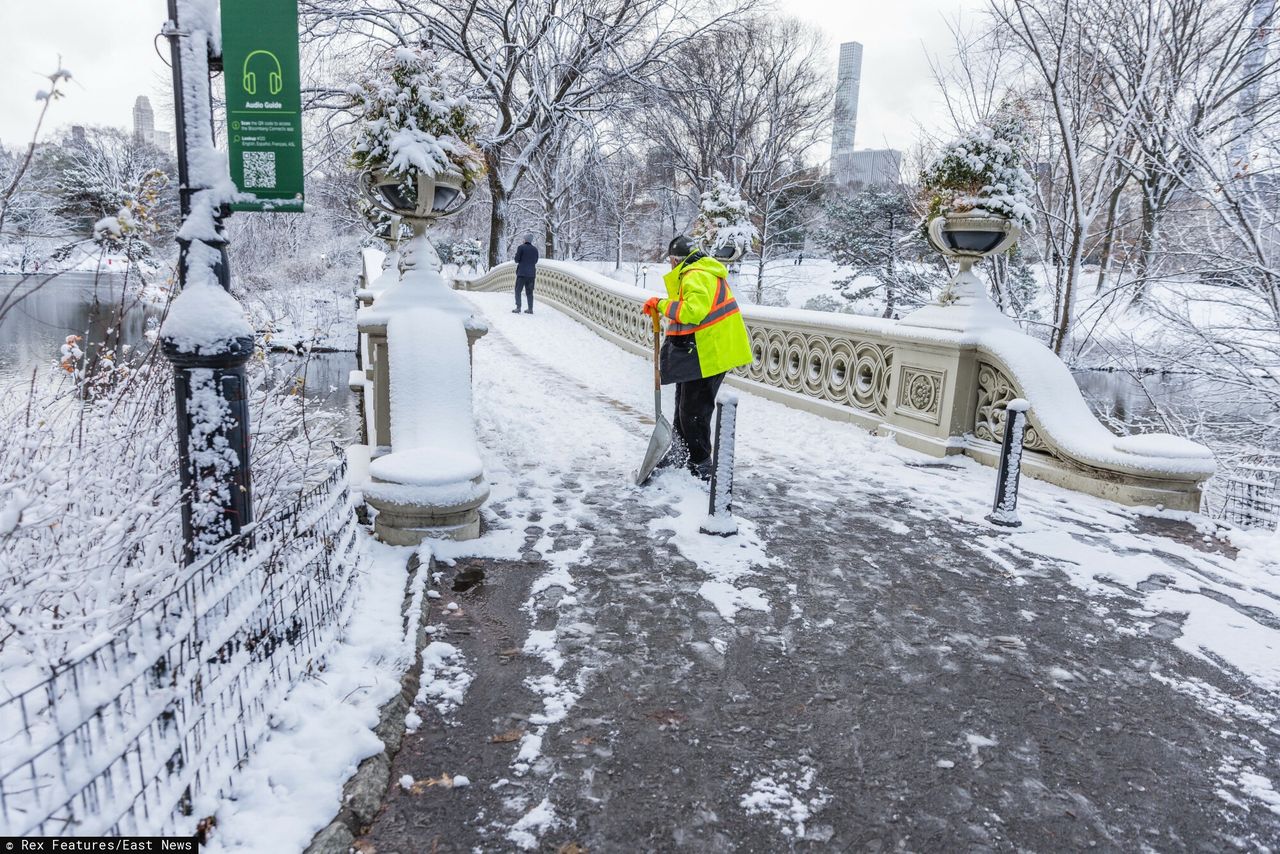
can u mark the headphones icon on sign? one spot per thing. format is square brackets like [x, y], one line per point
[275, 80]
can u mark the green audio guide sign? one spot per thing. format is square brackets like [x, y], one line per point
[264, 102]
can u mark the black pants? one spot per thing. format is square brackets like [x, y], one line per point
[525, 284]
[695, 408]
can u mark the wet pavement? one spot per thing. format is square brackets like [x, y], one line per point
[900, 690]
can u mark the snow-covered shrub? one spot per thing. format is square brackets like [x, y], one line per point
[822, 302]
[90, 530]
[467, 254]
[409, 123]
[724, 218]
[983, 171]
[871, 235]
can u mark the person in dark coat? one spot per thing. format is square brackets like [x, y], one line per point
[526, 269]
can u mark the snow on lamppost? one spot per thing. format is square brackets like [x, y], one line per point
[205, 334]
[979, 198]
[415, 147]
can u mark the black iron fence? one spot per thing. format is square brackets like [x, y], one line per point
[135, 730]
[1251, 492]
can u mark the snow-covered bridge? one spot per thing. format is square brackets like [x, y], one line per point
[868, 664]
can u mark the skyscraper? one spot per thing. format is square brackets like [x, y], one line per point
[144, 120]
[853, 170]
[848, 79]
[144, 126]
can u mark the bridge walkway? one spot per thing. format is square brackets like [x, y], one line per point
[868, 666]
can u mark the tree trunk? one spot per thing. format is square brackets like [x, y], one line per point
[497, 210]
[1108, 239]
[764, 237]
[1146, 243]
[1066, 316]
[548, 226]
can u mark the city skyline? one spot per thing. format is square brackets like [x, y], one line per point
[113, 59]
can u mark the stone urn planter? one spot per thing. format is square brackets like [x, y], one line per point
[963, 304]
[426, 198]
[729, 254]
[972, 235]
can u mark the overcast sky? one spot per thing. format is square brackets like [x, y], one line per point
[109, 48]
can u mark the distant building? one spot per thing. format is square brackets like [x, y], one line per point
[852, 169]
[845, 118]
[874, 167]
[144, 125]
[77, 135]
[144, 120]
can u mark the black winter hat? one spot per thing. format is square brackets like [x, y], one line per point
[682, 246]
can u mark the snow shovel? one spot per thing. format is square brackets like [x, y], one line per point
[660, 442]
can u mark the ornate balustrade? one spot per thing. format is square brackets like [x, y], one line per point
[935, 389]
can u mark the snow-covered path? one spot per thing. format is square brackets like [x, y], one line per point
[868, 663]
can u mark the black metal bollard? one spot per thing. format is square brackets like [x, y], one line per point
[1004, 511]
[720, 521]
[212, 397]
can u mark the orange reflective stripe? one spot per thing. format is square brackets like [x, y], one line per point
[724, 306]
[673, 309]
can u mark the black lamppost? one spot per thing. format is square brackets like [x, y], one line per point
[210, 385]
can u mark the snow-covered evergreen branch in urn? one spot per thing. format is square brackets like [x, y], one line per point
[410, 124]
[982, 172]
[724, 218]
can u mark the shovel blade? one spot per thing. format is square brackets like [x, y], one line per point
[659, 444]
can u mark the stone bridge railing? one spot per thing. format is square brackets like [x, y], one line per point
[936, 390]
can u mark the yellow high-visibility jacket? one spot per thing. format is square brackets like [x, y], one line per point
[704, 321]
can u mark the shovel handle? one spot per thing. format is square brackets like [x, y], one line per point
[657, 344]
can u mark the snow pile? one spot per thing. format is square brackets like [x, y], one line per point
[724, 218]
[420, 286]
[204, 319]
[1066, 422]
[535, 822]
[727, 561]
[373, 267]
[445, 678]
[789, 800]
[435, 460]
[291, 786]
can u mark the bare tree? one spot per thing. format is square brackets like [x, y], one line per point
[532, 65]
[751, 101]
[1073, 62]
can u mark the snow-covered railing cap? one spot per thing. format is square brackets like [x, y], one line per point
[1018, 404]
[727, 396]
[204, 320]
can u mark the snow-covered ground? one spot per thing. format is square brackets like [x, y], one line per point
[553, 449]
[825, 450]
[291, 786]
[84, 256]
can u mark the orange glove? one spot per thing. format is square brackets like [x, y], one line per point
[650, 306]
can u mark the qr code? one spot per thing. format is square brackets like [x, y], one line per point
[260, 169]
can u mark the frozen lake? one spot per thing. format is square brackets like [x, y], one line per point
[87, 305]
